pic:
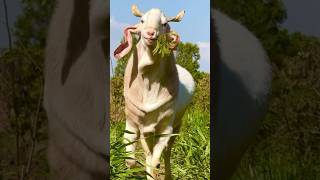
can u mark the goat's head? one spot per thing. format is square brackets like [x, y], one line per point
[152, 24]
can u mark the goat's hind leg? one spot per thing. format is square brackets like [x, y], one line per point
[167, 154]
[130, 138]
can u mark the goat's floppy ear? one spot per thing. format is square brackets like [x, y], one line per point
[135, 11]
[125, 47]
[177, 18]
[175, 40]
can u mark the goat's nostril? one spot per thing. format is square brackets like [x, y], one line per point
[158, 166]
[150, 33]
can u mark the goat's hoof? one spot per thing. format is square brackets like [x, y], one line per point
[158, 166]
[155, 163]
[130, 163]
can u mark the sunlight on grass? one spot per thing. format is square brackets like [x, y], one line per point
[190, 157]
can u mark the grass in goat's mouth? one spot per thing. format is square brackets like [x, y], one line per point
[162, 47]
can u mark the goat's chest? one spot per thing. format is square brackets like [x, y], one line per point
[147, 117]
[150, 90]
[153, 92]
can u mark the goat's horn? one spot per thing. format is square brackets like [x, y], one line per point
[135, 11]
[177, 18]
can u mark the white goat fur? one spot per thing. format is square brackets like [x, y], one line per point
[157, 92]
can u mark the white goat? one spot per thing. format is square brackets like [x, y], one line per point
[242, 78]
[156, 90]
[75, 96]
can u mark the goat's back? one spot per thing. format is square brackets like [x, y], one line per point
[186, 90]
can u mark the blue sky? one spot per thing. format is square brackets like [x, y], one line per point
[194, 27]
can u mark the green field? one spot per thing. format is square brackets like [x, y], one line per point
[190, 154]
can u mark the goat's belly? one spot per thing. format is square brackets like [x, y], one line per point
[186, 89]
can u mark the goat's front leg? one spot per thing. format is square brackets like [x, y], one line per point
[129, 137]
[147, 139]
[160, 146]
[147, 142]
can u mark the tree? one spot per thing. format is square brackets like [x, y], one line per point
[121, 66]
[31, 26]
[188, 56]
[22, 87]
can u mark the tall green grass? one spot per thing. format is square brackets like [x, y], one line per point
[118, 155]
[272, 160]
[190, 157]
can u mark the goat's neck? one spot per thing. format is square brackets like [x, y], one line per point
[146, 59]
[150, 67]
[154, 74]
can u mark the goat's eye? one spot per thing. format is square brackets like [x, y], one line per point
[142, 21]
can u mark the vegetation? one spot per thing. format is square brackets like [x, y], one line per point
[190, 154]
[188, 56]
[23, 124]
[162, 46]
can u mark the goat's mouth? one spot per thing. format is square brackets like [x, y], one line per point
[150, 41]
